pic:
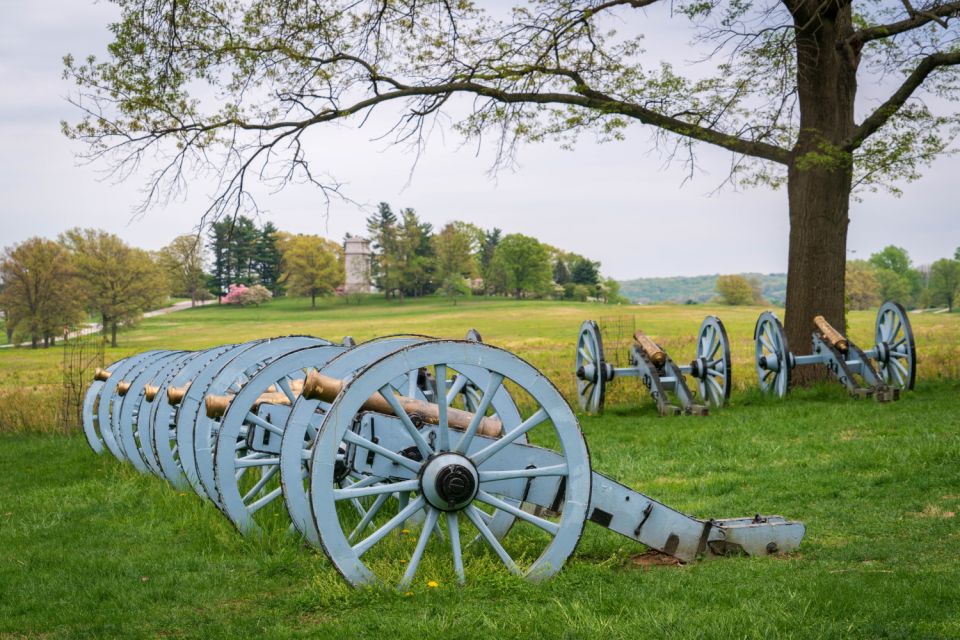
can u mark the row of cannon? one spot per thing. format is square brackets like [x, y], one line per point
[880, 372]
[390, 455]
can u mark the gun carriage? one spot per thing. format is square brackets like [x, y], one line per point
[894, 353]
[659, 374]
[354, 447]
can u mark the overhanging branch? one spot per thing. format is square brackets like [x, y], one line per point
[884, 112]
[586, 98]
[938, 13]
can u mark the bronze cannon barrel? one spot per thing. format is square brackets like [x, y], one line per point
[654, 353]
[831, 335]
[324, 388]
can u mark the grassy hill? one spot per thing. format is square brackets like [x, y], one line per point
[699, 289]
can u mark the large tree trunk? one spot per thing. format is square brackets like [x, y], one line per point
[820, 180]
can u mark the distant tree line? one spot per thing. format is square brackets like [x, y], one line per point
[890, 274]
[411, 259]
[47, 286]
[50, 286]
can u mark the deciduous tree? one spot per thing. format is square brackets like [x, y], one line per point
[39, 293]
[119, 281]
[863, 287]
[735, 290]
[944, 282]
[524, 263]
[312, 266]
[182, 260]
[894, 271]
[455, 248]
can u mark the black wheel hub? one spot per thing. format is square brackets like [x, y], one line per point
[455, 483]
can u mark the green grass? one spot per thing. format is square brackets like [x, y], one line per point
[89, 548]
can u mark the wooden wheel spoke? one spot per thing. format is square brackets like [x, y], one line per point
[261, 483]
[255, 460]
[284, 384]
[453, 528]
[474, 515]
[369, 516]
[350, 493]
[490, 499]
[265, 500]
[496, 379]
[533, 472]
[387, 393]
[263, 424]
[362, 442]
[425, 533]
[394, 522]
[443, 428]
[484, 454]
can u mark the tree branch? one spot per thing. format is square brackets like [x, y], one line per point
[917, 18]
[884, 112]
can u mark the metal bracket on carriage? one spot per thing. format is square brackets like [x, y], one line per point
[613, 505]
[844, 359]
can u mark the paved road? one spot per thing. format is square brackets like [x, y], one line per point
[94, 327]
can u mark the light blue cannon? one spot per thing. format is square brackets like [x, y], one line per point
[894, 353]
[513, 476]
[377, 454]
[710, 368]
[163, 412]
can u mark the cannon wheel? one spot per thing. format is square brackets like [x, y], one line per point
[134, 403]
[896, 350]
[247, 479]
[165, 418]
[771, 347]
[231, 379]
[714, 381]
[591, 392]
[110, 401]
[381, 551]
[147, 413]
[91, 415]
[301, 428]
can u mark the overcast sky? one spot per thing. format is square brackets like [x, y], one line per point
[613, 202]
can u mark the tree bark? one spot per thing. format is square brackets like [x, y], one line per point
[313, 299]
[820, 180]
[113, 334]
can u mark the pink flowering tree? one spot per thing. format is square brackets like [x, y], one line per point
[244, 295]
[234, 294]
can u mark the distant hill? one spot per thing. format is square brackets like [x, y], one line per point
[696, 288]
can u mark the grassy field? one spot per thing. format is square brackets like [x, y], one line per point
[543, 332]
[89, 548]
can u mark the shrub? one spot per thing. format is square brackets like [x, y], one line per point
[244, 295]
